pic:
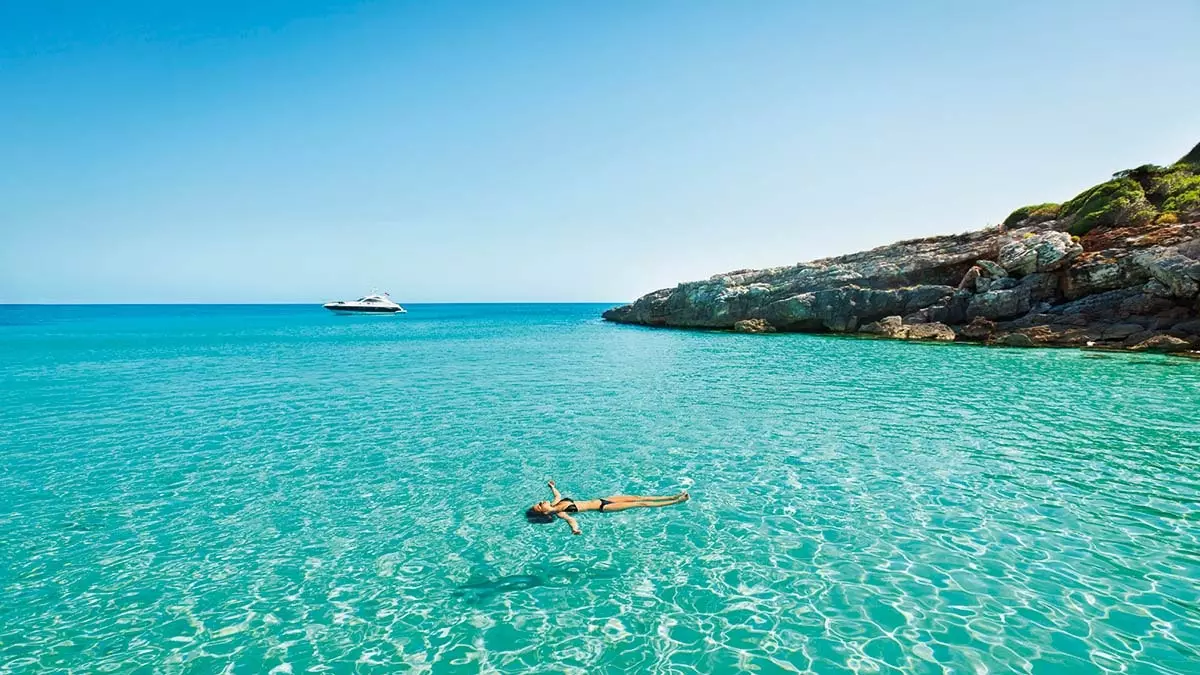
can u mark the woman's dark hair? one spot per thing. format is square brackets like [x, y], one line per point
[534, 517]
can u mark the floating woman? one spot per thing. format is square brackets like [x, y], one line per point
[562, 507]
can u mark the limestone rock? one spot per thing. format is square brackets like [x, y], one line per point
[1018, 259]
[1162, 343]
[930, 331]
[980, 329]
[1017, 340]
[998, 305]
[894, 327]
[1117, 284]
[1055, 250]
[951, 309]
[1138, 338]
[1157, 288]
[1178, 273]
[1040, 334]
[933, 265]
[1169, 318]
[888, 326]
[1009, 303]
[845, 308]
[1102, 271]
[1043, 252]
[1121, 331]
[1069, 336]
[991, 269]
[1188, 327]
[920, 316]
[753, 326]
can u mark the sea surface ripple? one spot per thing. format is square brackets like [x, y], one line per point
[254, 489]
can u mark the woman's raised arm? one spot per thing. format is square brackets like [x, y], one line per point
[570, 521]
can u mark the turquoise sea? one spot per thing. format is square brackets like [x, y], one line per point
[251, 489]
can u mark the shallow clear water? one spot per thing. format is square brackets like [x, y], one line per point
[186, 489]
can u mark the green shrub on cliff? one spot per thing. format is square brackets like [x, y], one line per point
[1183, 194]
[1167, 188]
[1185, 202]
[1145, 174]
[1133, 197]
[1191, 159]
[1037, 213]
[1167, 184]
[1119, 201]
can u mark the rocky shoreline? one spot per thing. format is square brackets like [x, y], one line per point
[1121, 274]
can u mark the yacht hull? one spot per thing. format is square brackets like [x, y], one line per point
[365, 310]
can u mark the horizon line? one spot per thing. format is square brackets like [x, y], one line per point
[298, 304]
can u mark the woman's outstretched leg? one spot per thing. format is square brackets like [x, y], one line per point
[643, 502]
[618, 499]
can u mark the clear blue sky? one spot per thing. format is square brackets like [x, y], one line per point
[306, 150]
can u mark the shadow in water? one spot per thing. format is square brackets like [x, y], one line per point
[1158, 362]
[486, 586]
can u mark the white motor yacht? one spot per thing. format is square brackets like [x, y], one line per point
[377, 303]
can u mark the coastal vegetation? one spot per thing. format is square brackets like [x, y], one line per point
[1036, 213]
[1121, 200]
[1133, 197]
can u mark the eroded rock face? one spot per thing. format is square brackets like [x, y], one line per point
[854, 289]
[1012, 298]
[1003, 304]
[1035, 285]
[845, 308]
[1102, 271]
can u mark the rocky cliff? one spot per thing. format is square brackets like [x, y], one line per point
[1118, 265]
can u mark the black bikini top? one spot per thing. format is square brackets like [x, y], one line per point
[571, 508]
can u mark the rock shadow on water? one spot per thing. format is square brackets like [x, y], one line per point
[486, 586]
[1126, 359]
[1153, 362]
